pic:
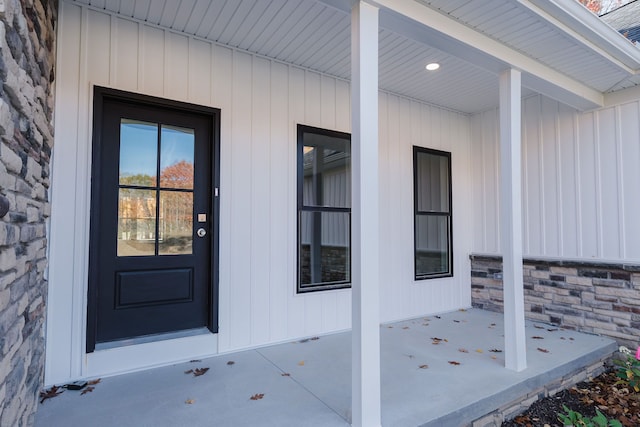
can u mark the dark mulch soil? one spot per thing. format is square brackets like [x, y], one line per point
[615, 401]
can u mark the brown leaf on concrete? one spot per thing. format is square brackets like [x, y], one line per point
[543, 350]
[539, 338]
[301, 363]
[190, 371]
[463, 350]
[257, 396]
[200, 371]
[87, 390]
[454, 363]
[52, 392]
[94, 382]
[405, 327]
[286, 374]
[315, 338]
[495, 350]
[195, 361]
[423, 367]
[231, 362]
[189, 401]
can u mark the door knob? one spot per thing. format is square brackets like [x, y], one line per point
[201, 232]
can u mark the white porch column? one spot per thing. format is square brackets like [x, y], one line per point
[365, 364]
[511, 219]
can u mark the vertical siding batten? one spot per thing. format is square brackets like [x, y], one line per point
[620, 183]
[60, 318]
[260, 197]
[83, 189]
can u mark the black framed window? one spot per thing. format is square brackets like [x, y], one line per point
[433, 251]
[324, 209]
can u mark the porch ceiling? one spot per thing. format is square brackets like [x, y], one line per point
[315, 34]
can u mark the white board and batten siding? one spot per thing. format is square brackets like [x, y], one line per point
[580, 181]
[261, 102]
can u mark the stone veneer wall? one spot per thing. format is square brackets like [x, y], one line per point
[595, 297]
[521, 403]
[27, 55]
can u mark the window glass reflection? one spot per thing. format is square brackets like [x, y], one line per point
[324, 247]
[136, 222]
[176, 223]
[138, 153]
[176, 157]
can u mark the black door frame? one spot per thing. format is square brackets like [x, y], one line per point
[100, 95]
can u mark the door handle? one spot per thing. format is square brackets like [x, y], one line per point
[201, 232]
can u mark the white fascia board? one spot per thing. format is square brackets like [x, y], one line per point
[587, 28]
[623, 96]
[455, 38]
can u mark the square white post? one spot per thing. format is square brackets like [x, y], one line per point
[365, 365]
[511, 219]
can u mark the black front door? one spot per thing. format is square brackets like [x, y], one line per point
[152, 221]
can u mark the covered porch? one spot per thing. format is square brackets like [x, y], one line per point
[440, 370]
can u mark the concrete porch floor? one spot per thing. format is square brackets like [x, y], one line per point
[308, 382]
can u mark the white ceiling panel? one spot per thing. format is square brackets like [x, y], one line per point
[315, 34]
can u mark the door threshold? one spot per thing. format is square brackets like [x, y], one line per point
[152, 338]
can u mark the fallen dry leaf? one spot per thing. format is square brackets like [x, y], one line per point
[87, 390]
[543, 350]
[463, 350]
[436, 341]
[231, 362]
[494, 357]
[94, 382]
[189, 401]
[405, 327]
[195, 361]
[286, 374]
[423, 366]
[495, 350]
[454, 363]
[190, 371]
[479, 350]
[456, 321]
[540, 338]
[301, 363]
[52, 392]
[437, 317]
[462, 309]
[200, 371]
[315, 338]
[257, 396]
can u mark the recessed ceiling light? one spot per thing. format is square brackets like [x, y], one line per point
[433, 66]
